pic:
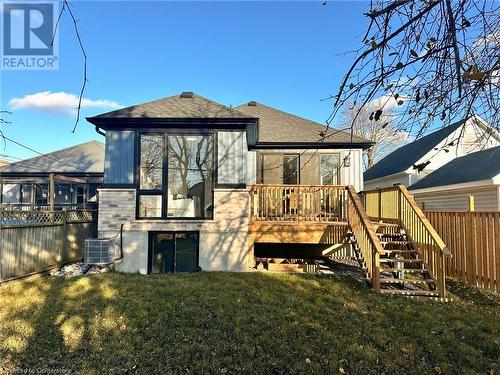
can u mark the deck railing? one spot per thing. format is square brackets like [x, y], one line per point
[298, 203]
[397, 205]
[366, 238]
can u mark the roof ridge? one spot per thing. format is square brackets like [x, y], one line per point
[232, 109]
[156, 101]
[287, 114]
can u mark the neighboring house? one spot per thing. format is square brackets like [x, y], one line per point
[3, 162]
[411, 162]
[449, 187]
[76, 171]
[177, 170]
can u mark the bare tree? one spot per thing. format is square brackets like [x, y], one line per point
[438, 61]
[368, 122]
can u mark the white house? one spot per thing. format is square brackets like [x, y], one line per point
[448, 188]
[414, 161]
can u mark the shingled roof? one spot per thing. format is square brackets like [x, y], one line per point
[477, 166]
[405, 156]
[276, 126]
[83, 158]
[184, 106]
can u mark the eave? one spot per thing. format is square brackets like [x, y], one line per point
[310, 145]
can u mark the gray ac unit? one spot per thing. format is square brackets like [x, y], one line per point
[99, 251]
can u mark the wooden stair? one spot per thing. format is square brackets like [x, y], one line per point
[402, 272]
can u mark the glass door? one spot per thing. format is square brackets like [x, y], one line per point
[173, 252]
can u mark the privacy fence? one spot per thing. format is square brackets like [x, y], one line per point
[474, 241]
[35, 241]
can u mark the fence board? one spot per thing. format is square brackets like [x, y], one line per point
[474, 241]
[30, 242]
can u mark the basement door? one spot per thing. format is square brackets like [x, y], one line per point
[173, 252]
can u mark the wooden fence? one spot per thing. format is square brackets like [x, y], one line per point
[34, 241]
[474, 241]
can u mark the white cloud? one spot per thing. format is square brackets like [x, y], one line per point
[62, 103]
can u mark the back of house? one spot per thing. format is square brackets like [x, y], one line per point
[177, 172]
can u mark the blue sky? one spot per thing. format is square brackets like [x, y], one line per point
[284, 54]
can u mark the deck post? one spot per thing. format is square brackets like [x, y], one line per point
[379, 205]
[442, 277]
[51, 191]
[471, 203]
[376, 272]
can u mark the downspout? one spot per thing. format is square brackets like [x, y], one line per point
[99, 131]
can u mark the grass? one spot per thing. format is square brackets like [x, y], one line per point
[242, 323]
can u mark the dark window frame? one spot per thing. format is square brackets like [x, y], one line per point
[164, 191]
[339, 176]
[297, 161]
[151, 235]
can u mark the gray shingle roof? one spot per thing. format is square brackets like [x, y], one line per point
[405, 156]
[276, 126]
[175, 107]
[83, 158]
[477, 166]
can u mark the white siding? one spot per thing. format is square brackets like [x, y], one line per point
[353, 174]
[232, 157]
[391, 180]
[251, 167]
[485, 199]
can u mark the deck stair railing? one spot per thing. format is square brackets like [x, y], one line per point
[366, 238]
[396, 205]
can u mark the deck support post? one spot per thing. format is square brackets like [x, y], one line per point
[51, 190]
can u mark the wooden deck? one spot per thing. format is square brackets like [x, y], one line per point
[311, 214]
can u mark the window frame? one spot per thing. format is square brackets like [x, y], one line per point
[140, 192]
[151, 235]
[339, 177]
[297, 161]
[164, 191]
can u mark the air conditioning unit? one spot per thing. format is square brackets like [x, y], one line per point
[99, 251]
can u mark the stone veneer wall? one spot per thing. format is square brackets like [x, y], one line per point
[223, 240]
[116, 206]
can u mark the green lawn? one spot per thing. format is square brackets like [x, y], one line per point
[242, 323]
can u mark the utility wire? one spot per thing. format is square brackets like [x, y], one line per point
[40, 153]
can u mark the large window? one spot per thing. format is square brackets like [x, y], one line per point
[291, 169]
[176, 176]
[329, 169]
[190, 169]
[151, 175]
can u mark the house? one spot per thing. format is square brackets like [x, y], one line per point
[449, 187]
[411, 162]
[72, 174]
[191, 184]
[177, 171]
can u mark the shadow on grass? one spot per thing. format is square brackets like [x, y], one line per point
[238, 322]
